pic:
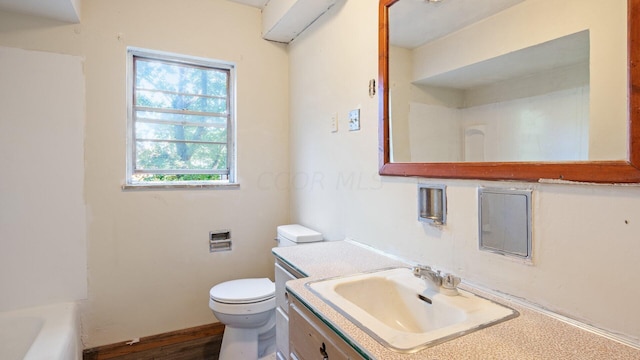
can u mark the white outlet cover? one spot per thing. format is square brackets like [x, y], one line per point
[354, 120]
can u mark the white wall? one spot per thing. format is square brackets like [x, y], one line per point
[608, 70]
[435, 133]
[43, 248]
[585, 236]
[549, 127]
[149, 267]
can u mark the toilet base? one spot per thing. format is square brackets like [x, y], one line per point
[249, 344]
[240, 344]
[270, 356]
[243, 344]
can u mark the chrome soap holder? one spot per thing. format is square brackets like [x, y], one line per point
[432, 204]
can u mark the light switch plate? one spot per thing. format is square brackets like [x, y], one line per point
[354, 120]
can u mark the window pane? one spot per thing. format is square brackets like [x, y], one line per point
[178, 177]
[142, 116]
[182, 125]
[152, 155]
[182, 78]
[149, 131]
[155, 99]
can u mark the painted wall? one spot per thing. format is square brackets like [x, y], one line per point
[435, 133]
[542, 117]
[608, 73]
[149, 266]
[43, 252]
[586, 241]
[549, 127]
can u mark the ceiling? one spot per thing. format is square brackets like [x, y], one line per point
[62, 10]
[69, 10]
[421, 20]
[558, 53]
[416, 22]
[255, 3]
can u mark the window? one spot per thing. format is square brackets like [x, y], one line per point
[181, 120]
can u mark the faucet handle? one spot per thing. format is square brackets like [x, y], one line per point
[421, 270]
[418, 269]
[450, 282]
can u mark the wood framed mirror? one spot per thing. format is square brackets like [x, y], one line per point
[624, 168]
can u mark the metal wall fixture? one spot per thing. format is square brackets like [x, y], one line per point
[432, 204]
[505, 222]
[219, 240]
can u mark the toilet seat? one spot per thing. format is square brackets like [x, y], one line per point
[243, 296]
[243, 291]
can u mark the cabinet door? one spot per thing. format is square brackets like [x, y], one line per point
[282, 334]
[310, 339]
[282, 276]
[283, 273]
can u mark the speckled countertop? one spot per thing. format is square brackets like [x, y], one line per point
[532, 335]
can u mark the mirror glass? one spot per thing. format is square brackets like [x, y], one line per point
[507, 81]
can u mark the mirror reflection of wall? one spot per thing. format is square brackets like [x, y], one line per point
[530, 91]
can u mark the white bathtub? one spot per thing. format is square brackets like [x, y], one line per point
[49, 332]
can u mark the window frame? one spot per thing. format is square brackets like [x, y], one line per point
[130, 183]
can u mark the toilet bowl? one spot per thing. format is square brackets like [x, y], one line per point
[247, 309]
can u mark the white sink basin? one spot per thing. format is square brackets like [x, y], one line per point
[397, 309]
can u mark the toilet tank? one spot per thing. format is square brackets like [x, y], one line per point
[294, 234]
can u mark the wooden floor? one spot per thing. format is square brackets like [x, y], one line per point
[193, 350]
[199, 343]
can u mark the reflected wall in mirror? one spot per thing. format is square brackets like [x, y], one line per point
[509, 89]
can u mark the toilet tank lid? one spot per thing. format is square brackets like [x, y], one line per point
[243, 291]
[298, 233]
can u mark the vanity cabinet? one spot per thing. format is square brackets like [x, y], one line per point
[283, 273]
[311, 339]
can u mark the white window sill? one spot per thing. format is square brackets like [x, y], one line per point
[191, 185]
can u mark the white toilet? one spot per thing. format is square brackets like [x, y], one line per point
[247, 307]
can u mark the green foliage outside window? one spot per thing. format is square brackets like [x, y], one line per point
[181, 121]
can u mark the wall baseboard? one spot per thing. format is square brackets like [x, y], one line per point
[200, 342]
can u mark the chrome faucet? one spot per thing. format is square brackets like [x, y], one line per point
[436, 280]
[432, 276]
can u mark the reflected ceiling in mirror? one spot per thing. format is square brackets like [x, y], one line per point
[507, 81]
[510, 89]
